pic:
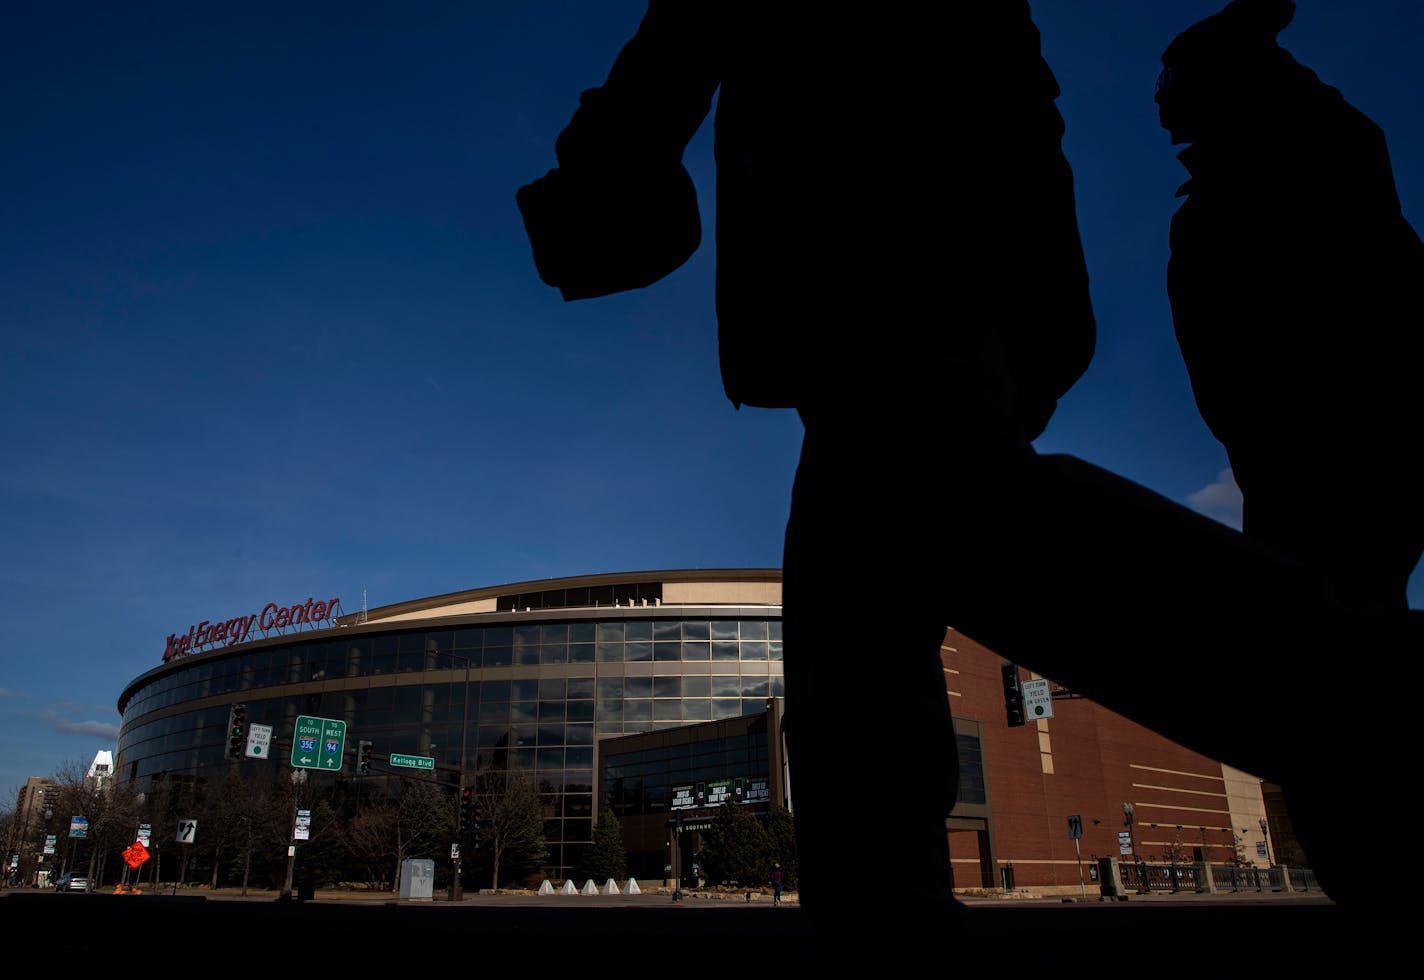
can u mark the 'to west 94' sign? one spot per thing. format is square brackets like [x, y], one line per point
[318, 743]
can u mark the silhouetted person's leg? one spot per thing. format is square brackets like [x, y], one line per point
[870, 736]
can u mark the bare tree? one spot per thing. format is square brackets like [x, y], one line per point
[113, 824]
[511, 815]
[233, 811]
[412, 826]
[425, 817]
[74, 797]
[370, 836]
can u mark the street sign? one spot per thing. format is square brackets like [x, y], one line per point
[317, 743]
[1261, 849]
[145, 834]
[259, 741]
[78, 826]
[50, 842]
[1038, 699]
[187, 831]
[301, 830]
[413, 761]
[135, 855]
[455, 852]
[1075, 827]
[1124, 842]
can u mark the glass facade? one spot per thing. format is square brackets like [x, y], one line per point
[648, 780]
[522, 695]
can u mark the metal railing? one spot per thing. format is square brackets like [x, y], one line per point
[1143, 878]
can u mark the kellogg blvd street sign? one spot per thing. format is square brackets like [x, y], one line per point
[412, 761]
[317, 743]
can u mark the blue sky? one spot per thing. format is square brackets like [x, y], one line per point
[271, 329]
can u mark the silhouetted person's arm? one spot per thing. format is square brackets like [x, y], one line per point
[620, 211]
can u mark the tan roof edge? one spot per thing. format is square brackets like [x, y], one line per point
[566, 582]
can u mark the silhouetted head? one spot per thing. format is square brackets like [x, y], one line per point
[1217, 74]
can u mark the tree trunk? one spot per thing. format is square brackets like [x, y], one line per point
[247, 863]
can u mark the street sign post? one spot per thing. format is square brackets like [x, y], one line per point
[1075, 833]
[187, 831]
[78, 826]
[145, 834]
[317, 743]
[413, 761]
[1038, 699]
[259, 741]
[301, 828]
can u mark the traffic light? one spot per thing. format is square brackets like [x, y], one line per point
[363, 757]
[1013, 695]
[236, 731]
[467, 811]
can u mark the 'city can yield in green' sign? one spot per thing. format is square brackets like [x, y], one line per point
[317, 743]
[413, 761]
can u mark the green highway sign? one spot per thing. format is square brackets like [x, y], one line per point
[317, 743]
[413, 761]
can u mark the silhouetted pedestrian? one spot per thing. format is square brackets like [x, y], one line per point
[1295, 286]
[1296, 283]
[898, 259]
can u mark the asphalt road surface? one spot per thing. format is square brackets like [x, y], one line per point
[566, 936]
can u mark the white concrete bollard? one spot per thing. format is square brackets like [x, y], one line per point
[589, 888]
[569, 887]
[546, 888]
[632, 887]
[610, 887]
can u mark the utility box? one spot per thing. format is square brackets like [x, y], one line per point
[417, 880]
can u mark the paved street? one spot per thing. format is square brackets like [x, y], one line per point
[1153, 936]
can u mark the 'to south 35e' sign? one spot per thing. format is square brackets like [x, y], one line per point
[239, 628]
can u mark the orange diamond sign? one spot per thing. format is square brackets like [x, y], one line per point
[136, 854]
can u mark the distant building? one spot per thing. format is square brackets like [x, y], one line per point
[101, 771]
[36, 816]
[540, 676]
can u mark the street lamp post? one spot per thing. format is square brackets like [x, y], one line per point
[457, 882]
[1265, 835]
[49, 815]
[299, 780]
[1129, 817]
[1176, 846]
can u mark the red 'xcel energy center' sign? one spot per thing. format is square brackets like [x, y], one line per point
[239, 628]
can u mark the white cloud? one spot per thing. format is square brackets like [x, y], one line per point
[99, 729]
[1220, 500]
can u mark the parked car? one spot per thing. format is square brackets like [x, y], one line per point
[72, 881]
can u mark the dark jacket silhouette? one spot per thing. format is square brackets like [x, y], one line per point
[1295, 284]
[898, 258]
[874, 176]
